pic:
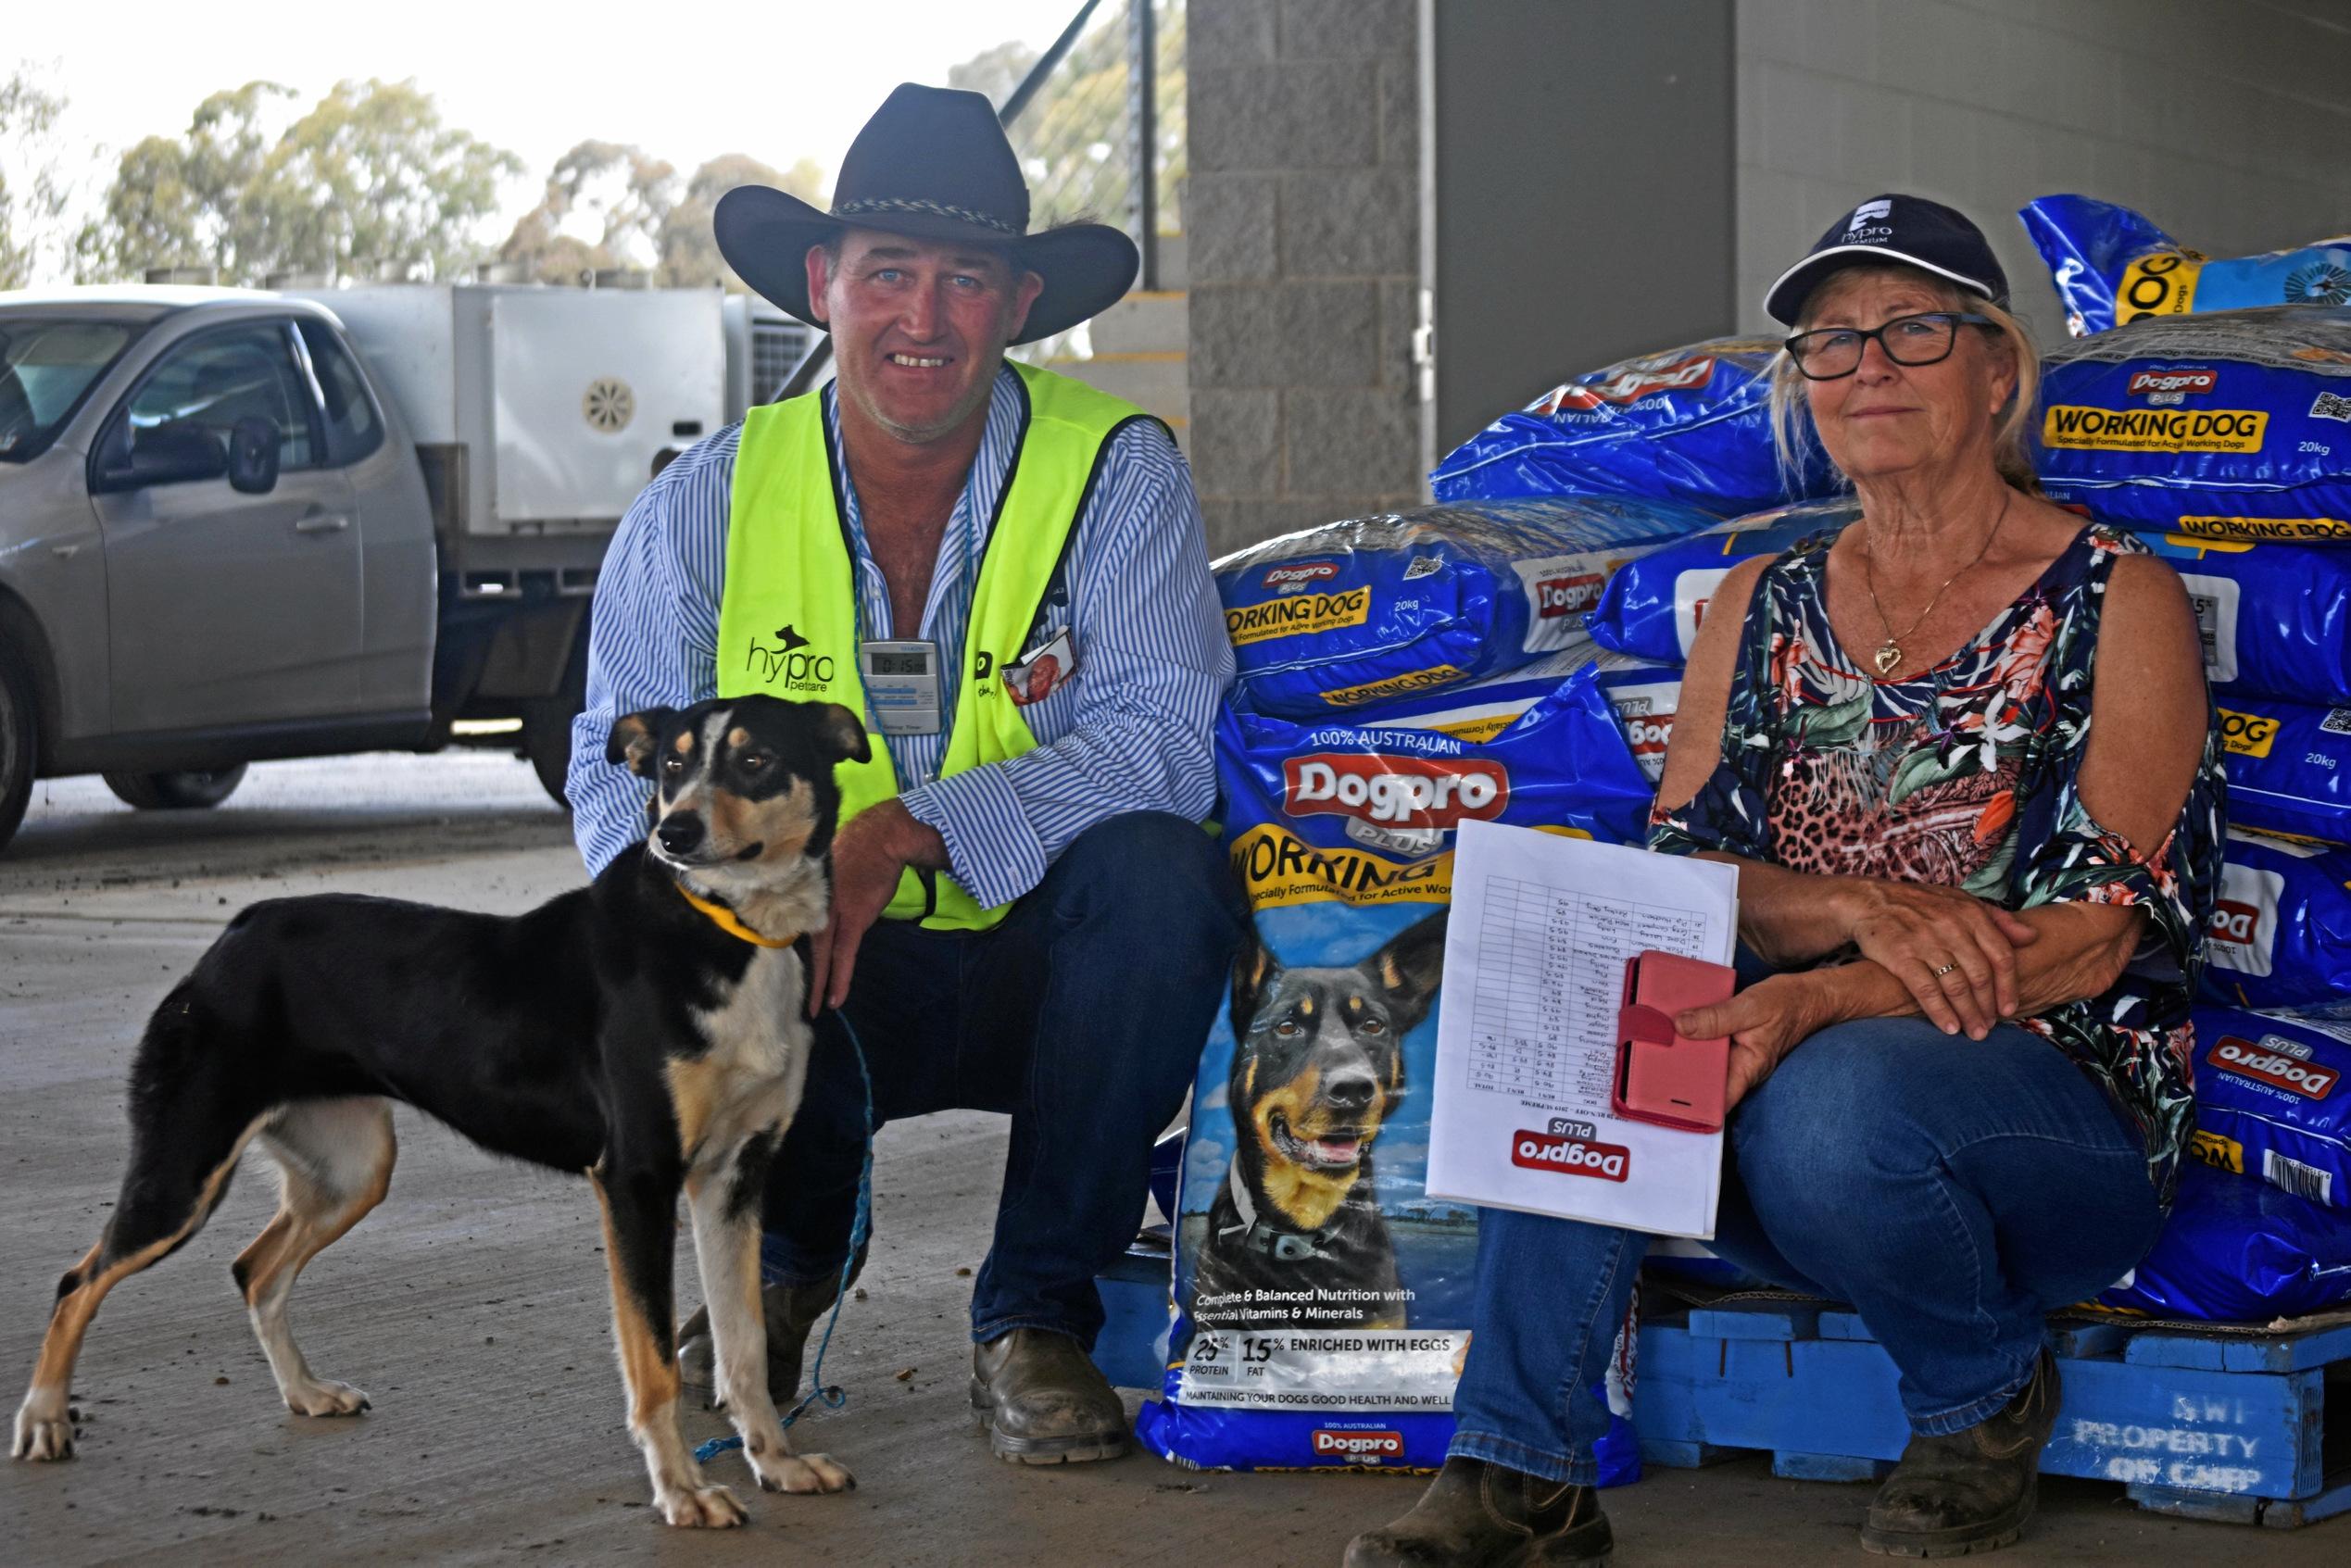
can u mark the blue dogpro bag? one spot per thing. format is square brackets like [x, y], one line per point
[2235, 425]
[1340, 617]
[1691, 425]
[1322, 1300]
[1645, 692]
[2272, 1101]
[2280, 935]
[2237, 1250]
[1654, 604]
[2112, 266]
[2289, 767]
[2276, 619]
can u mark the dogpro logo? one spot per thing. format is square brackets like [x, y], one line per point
[2233, 922]
[1630, 387]
[1648, 736]
[1571, 594]
[1295, 576]
[2243, 933]
[2155, 429]
[1407, 792]
[2273, 1067]
[2247, 735]
[1363, 1448]
[1297, 615]
[2171, 386]
[1570, 1156]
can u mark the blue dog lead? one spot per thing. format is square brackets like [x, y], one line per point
[834, 1397]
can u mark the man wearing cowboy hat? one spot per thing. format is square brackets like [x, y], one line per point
[1005, 571]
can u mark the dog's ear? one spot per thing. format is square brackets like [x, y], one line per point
[633, 737]
[841, 734]
[1254, 969]
[1409, 968]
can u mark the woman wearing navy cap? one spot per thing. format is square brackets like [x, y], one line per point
[1971, 922]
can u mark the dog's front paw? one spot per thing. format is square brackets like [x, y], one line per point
[44, 1432]
[701, 1508]
[803, 1472]
[322, 1398]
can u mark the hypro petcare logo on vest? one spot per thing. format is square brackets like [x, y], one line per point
[789, 662]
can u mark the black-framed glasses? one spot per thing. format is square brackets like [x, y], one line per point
[1924, 339]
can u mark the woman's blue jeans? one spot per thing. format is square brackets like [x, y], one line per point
[1953, 1191]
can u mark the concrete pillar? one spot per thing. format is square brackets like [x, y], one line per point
[1302, 211]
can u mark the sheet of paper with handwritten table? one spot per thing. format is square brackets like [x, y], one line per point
[1535, 959]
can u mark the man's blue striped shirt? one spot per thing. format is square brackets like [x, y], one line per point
[1129, 731]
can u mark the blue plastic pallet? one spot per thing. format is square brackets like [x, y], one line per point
[2201, 1425]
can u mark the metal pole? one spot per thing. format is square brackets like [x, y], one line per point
[1013, 106]
[812, 366]
[1142, 136]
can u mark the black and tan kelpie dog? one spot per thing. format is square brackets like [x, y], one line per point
[647, 1030]
[1318, 1064]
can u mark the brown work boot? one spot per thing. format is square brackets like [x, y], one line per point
[1044, 1401]
[1973, 1490]
[792, 1311]
[1476, 1515]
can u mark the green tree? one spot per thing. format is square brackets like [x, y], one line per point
[372, 175]
[689, 250]
[175, 202]
[369, 178]
[1072, 135]
[617, 192]
[993, 73]
[32, 193]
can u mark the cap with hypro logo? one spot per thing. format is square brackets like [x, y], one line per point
[1894, 228]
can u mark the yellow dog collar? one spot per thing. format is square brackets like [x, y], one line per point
[726, 920]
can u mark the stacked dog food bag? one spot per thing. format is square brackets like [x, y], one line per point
[2207, 404]
[1514, 654]
[1398, 675]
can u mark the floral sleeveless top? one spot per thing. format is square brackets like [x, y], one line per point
[1966, 776]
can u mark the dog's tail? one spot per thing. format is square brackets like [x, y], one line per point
[195, 1096]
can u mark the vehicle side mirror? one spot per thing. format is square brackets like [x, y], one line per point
[253, 455]
[169, 454]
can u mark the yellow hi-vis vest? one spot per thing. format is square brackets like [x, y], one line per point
[787, 620]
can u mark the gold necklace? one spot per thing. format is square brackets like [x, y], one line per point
[1889, 653]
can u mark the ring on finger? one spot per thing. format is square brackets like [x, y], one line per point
[1943, 970]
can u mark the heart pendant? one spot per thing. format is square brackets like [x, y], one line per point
[1886, 658]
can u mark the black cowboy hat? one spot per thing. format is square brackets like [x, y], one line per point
[933, 164]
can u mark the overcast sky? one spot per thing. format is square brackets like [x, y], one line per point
[781, 80]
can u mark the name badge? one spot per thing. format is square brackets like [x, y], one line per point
[901, 685]
[1042, 671]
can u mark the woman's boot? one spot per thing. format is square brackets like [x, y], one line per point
[1973, 1490]
[1480, 1515]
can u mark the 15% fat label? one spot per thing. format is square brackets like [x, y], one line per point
[1311, 1369]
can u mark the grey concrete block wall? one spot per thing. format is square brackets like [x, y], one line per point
[2221, 120]
[1302, 209]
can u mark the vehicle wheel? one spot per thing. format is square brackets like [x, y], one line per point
[547, 741]
[20, 737]
[547, 724]
[195, 790]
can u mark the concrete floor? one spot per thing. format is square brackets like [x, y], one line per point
[471, 1305]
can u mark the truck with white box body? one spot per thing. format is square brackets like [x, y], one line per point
[238, 525]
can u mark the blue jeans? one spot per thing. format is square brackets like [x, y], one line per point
[1081, 1016]
[1953, 1191]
